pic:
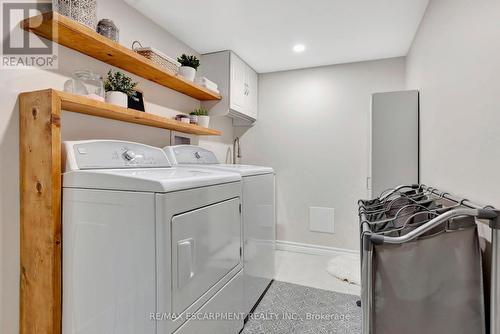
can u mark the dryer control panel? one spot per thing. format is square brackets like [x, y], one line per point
[111, 154]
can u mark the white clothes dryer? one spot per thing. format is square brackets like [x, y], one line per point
[146, 244]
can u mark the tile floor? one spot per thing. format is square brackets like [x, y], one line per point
[310, 270]
[299, 309]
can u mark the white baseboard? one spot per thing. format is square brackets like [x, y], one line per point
[298, 247]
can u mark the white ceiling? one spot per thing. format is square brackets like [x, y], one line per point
[263, 32]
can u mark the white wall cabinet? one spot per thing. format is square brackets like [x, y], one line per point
[238, 85]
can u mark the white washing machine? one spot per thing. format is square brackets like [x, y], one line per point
[259, 230]
[146, 244]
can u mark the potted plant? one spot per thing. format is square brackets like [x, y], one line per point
[118, 88]
[202, 115]
[189, 66]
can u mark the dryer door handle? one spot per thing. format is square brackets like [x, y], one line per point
[185, 261]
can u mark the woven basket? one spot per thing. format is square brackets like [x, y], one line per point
[157, 57]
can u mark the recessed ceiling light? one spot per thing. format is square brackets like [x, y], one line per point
[299, 48]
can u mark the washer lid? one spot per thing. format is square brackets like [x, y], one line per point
[150, 179]
[244, 170]
[196, 156]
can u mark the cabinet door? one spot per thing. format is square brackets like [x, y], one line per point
[251, 93]
[238, 84]
[394, 156]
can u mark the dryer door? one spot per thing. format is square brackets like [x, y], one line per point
[205, 248]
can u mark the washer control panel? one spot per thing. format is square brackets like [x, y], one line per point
[110, 154]
[190, 154]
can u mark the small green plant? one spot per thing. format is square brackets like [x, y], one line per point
[200, 112]
[119, 82]
[190, 61]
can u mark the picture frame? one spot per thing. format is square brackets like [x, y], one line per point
[137, 102]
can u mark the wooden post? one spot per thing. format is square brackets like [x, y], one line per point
[40, 181]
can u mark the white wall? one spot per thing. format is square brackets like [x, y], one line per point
[313, 129]
[455, 63]
[160, 100]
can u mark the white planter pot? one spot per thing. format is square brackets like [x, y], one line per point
[118, 98]
[203, 121]
[187, 72]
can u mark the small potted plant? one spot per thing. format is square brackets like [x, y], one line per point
[118, 88]
[189, 66]
[202, 115]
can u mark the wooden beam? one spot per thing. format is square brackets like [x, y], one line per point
[40, 183]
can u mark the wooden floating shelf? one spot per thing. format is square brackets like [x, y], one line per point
[84, 105]
[76, 36]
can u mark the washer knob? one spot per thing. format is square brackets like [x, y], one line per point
[129, 155]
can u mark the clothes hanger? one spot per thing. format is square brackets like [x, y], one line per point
[407, 221]
[396, 216]
[388, 207]
[384, 196]
[380, 205]
[396, 194]
[436, 212]
[372, 224]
